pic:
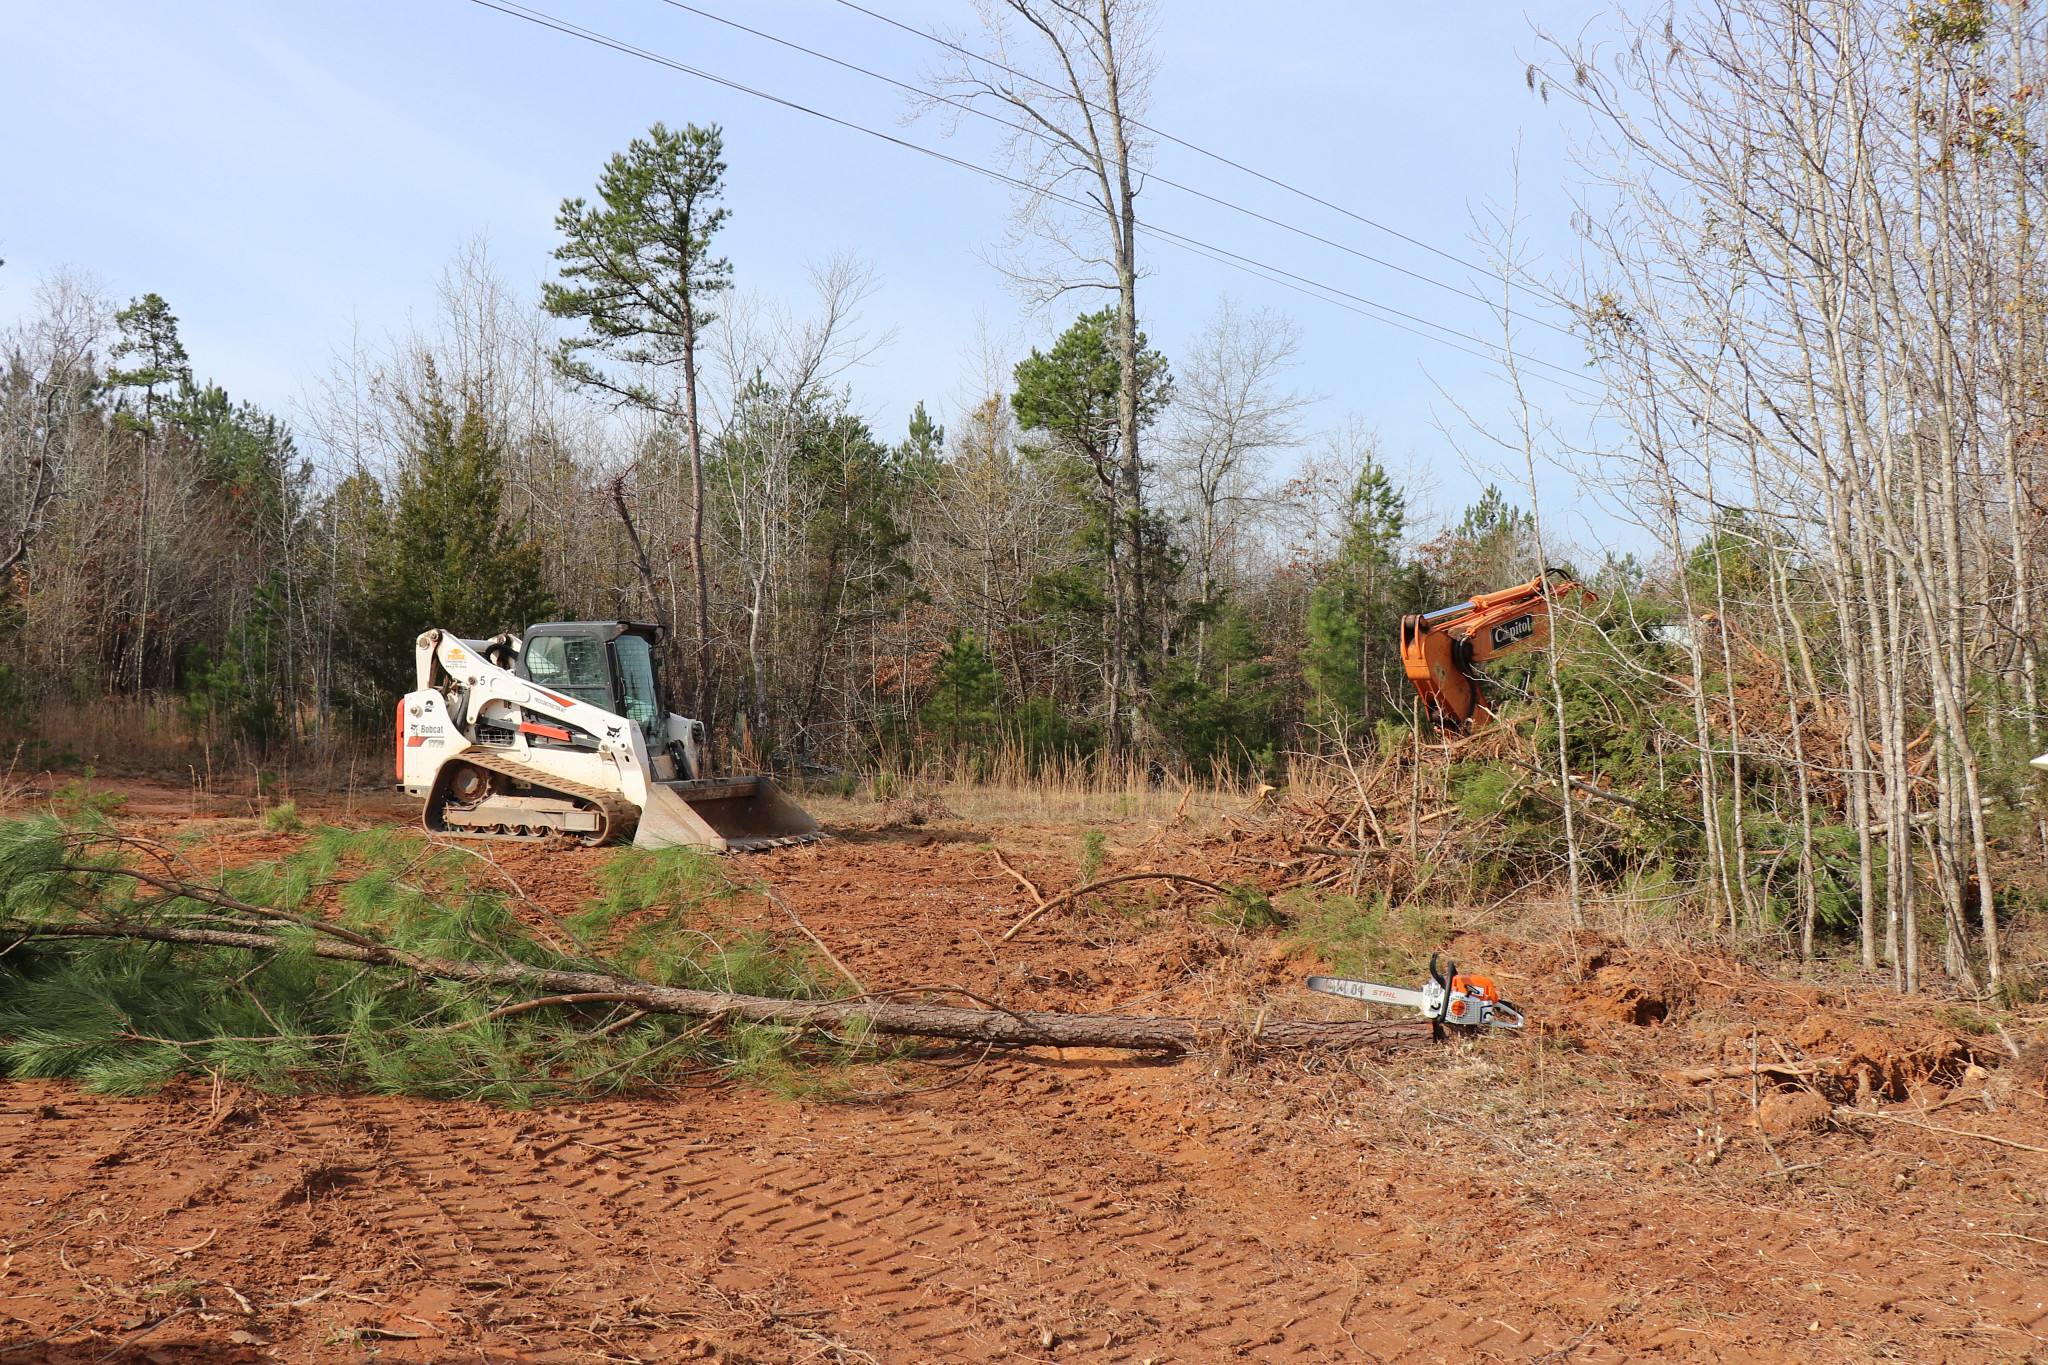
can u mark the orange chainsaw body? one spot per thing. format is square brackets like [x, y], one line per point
[1468, 995]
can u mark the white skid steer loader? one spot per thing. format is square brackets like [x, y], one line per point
[566, 732]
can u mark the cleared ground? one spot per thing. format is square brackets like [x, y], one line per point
[1568, 1194]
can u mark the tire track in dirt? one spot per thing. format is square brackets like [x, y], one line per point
[910, 1270]
[920, 1273]
[919, 1233]
[464, 1218]
[852, 1244]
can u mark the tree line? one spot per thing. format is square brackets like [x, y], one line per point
[939, 599]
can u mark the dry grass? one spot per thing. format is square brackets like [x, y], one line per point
[1007, 788]
[150, 737]
[124, 731]
[1006, 803]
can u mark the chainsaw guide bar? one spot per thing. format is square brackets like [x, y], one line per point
[1369, 991]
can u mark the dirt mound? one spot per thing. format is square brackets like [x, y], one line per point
[1603, 981]
[1795, 1111]
[1894, 1063]
[2022, 1084]
[2029, 1070]
[914, 810]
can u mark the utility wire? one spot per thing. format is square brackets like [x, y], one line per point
[968, 107]
[1332, 294]
[1312, 291]
[540, 19]
[1313, 198]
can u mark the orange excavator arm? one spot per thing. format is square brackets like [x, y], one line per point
[1444, 652]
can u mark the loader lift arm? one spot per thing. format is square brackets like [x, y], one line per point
[1444, 652]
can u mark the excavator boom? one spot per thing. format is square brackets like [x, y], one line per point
[1445, 652]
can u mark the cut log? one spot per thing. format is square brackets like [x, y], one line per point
[1000, 1027]
[1694, 1075]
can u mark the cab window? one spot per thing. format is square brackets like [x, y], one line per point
[572, 665]
[641, 701]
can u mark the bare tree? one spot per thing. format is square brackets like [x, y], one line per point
[774, 371]
[1527, 438]
[48, 372]
[1229, 417]
[993, 522]
[1071, 77]
[1813, 231]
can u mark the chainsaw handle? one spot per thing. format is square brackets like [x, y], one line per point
[1449, 974]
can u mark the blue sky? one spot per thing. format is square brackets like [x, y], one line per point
[277, 171]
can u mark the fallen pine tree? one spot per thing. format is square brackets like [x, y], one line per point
[919, 1019]
[384, 961]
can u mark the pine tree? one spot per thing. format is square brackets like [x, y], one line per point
[639, 270]
[1378, 589]
[245, 452]
[1355, 612]
[1221, 711]
[442, 552]
[1072, 394]
[1330, 661]
[1493, 547]
[923, 452]
[965, 686]
[150, 334]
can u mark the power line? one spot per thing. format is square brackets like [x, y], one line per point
[540, 19]
[1261, 269]
[1197, 149]
[1311, 291]
[967, 106]
[1330, 293]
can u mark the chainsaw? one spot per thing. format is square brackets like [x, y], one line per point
[1451, 997]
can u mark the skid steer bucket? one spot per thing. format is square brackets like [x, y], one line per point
[724, 814]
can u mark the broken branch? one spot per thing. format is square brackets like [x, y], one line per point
[1936, 1128]
[1031, 887]
[1063, 896]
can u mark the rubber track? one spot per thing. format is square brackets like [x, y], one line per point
[622, 817]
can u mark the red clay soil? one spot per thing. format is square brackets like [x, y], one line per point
[1565, 1195]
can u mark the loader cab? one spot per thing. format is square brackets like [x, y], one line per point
[611, 665]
